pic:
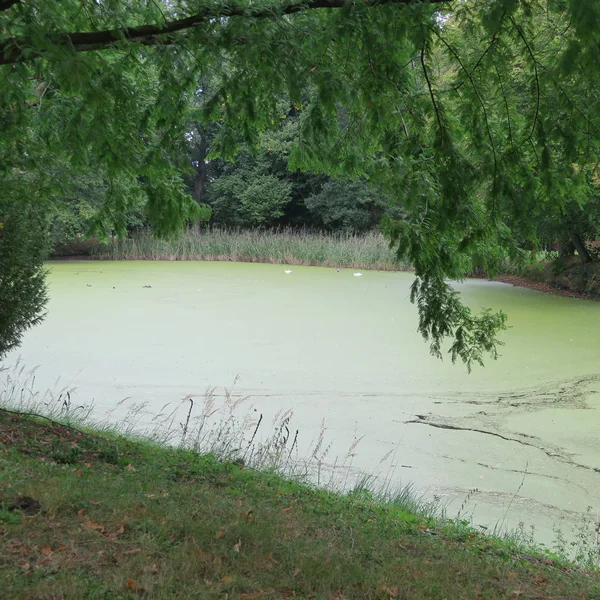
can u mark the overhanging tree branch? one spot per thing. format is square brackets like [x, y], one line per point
[16, 50]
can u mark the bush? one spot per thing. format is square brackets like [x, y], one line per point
[24, 241]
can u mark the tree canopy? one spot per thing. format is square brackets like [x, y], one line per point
[474, 116]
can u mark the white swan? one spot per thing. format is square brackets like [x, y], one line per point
[287, 271]
[357, 274]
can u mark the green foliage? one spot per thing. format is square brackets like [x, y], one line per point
[79, 209]
[248, 194]
[345, 205]
[442, 316]
[479, 119]
[23, 248]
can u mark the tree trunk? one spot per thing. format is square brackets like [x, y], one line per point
[200, 176]
[584, 255]
[566, 249]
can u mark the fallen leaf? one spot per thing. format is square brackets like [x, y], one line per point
[238, 546]
[515, 595]
[297, 572]
[81, 512]
[219, 535]
[94, 525]
[252, 595]
[133, 551]
[132, 585]
[95, 502]
[288, 509]
[130, 467]
[46, 551]
[227, 579]
[113, 535]
[389, 592]
[62, 548]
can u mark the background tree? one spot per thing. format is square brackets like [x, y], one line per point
[347, 205]
[23, 233]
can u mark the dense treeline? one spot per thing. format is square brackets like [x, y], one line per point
[257, 189]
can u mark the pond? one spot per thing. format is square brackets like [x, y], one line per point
[516, 441]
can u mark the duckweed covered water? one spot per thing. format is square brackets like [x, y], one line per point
[516, 441]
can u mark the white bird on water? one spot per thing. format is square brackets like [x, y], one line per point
[357, 274]
[287, 271]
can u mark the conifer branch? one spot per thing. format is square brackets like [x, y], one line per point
[469, 75]
[537, 77]
[16, 50]
[429, 86]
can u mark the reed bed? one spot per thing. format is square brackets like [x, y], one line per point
[284, 246]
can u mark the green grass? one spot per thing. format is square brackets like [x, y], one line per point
[369, 251]
[124, 519]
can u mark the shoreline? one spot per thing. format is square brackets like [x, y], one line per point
[296, 263]
[75, 518]
[544, 287]
[514, 280]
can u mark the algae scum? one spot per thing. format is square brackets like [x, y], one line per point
[514, 442]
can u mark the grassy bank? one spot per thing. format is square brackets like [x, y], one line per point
[90, 515]
[370, 251]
